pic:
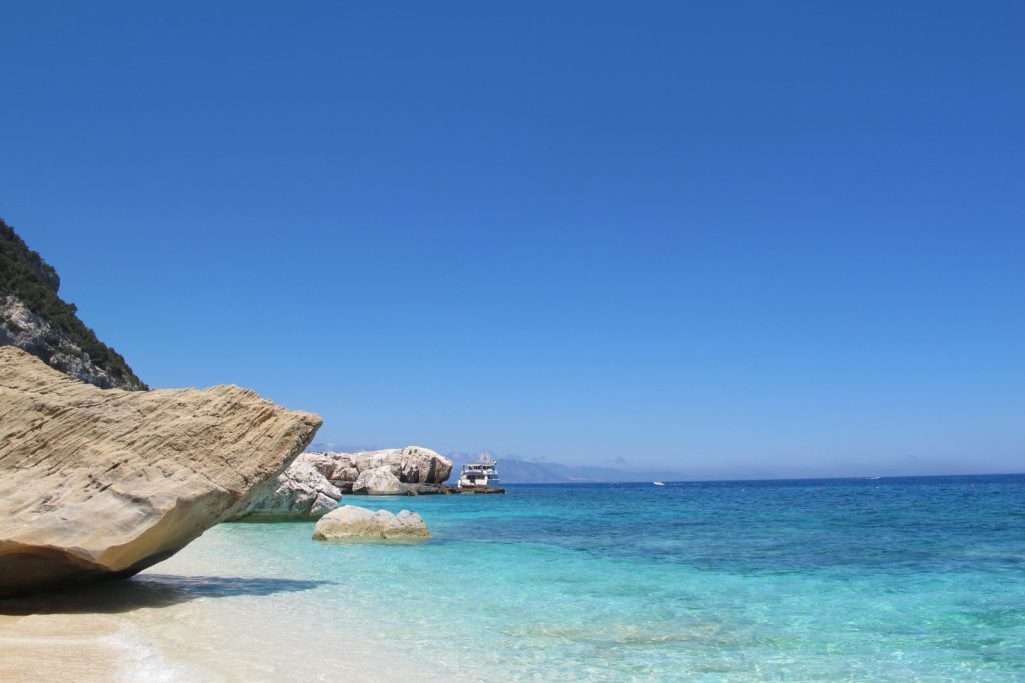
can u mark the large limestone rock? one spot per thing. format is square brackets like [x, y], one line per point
[103, 483]
[302, 490]
[410, 465]
[315, 482]
[353, 523]
[378, 482]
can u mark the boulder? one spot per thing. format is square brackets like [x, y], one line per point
[350, 522]
[303, 490]
[315, 482]
[98, 484]
[411, 465]
[379, 481]
[406, 524]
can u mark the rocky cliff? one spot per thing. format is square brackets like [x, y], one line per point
[34, 318]
[315, 482]
[99, 484]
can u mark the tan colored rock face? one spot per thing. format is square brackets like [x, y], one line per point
[103, 483]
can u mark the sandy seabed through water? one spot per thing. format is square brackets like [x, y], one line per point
[190, 618]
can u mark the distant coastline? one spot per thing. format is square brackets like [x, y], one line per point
[518, 471]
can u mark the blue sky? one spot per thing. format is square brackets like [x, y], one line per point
[731, 238]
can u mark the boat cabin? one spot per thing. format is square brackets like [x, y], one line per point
[480, 473]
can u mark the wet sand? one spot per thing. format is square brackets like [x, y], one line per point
[173, 623]
[58, 648]
[83, 635]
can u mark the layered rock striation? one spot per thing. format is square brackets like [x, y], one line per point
[350, 522]
[315, 482]
[98, 484]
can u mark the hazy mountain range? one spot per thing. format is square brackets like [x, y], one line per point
[514, 471]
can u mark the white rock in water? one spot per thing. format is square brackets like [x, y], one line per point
[352, 522]
[315, 482]
[378, 482]
[411, 465]
[301, 491]
[406, 524]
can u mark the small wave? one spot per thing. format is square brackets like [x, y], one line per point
[137, 660]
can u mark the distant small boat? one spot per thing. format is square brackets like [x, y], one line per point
[479, 475]
[658, 483]
[874, 478]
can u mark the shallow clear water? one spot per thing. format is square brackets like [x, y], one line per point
[890, 579]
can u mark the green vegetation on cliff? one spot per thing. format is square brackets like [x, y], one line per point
[26, 276]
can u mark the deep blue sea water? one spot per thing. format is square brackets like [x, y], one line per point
[896, 579]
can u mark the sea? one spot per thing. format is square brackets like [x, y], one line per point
[882, 579]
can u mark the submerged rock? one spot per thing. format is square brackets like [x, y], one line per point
[429, 489]
[315, 482]
[98, 484]
[352, 522]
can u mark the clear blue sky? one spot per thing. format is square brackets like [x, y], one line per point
[732, 238]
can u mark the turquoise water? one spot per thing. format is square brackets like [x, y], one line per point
[890, 579]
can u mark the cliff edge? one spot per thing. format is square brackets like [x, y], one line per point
[34, 318]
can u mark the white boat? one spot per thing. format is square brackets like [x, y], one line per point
[658, 483]
[479, 474]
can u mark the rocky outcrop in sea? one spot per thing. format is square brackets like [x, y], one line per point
[315, 482]
[350, 522]
[99, 484]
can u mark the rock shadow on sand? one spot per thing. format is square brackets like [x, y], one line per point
[147, 591]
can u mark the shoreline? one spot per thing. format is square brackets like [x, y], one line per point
[82, 647]
[193, 618]
[620, 583]
[161, 644]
